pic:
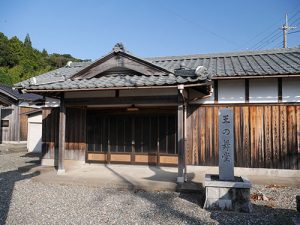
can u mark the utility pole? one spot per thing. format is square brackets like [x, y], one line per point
[285, 28]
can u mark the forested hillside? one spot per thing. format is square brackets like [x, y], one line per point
[20, 61]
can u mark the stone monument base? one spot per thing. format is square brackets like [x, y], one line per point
[227, 195]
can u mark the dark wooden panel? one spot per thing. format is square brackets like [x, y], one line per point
[201, 139]
[275, 137]
[216, 136]
[292, 137]
[163, 130]
[24, 123]
[172, 143]
[138, 134]
[298, 135]
[238, 136]
[268, 136]
[50, 133]
[208, 137]
[132, 134]
[194, 134]
[76, 133]
[245, 136]
[189, 140]
[283, 138]
[253, 146]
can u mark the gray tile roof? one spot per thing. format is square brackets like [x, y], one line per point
[250, 63]
[56, 75]
[119, 80]
[14, 94]
[235, 64]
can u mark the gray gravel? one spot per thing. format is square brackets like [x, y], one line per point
[24, 201]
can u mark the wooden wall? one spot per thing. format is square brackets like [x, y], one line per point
[24, 123]
[266, 136]
[50, 133]
[12, 132]
[18, 123]
[75, 133]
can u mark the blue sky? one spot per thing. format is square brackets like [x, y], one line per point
[88, 29]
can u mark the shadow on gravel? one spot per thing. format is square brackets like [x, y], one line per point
[31, 155]
[194, 196]
[7, 183]
[167, 201]
[262, 214]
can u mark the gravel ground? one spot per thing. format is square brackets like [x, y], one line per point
[24, 201]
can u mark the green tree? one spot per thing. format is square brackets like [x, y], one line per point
[20, 61]
[44, 52]
[5, 78]
[27, 41]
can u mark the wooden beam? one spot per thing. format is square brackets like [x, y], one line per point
[279, 89]
[1, 124]
[62, 133]
[122, 100]
[246, 90]
[216, 93]
[180, 138]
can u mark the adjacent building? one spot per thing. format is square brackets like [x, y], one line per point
[14, 110]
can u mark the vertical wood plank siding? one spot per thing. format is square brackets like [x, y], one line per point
[266, 136]
[17, 129]
[50, 128]
[24, 123]
[75, 133]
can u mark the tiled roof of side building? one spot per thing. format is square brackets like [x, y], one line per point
[14, 94]
[249, 63]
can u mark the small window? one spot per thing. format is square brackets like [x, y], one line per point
[4, 123]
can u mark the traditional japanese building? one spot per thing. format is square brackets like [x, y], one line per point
[164, 111]
[14, 108]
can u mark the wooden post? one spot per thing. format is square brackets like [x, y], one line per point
[0, 124]
[180, 136]
[62, 133]
[17, 124]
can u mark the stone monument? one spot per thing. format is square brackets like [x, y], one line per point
[225, 191]
[226, 151]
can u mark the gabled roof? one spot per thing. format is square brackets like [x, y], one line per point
[120, 58]
[117, 69]
[168, 70]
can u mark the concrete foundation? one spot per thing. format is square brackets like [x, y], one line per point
[227, 195]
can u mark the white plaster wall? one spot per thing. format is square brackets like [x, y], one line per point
[206, 100]
[35, 118]
[291, 89]
[34, 138]
[263, 90]
[231, 91]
